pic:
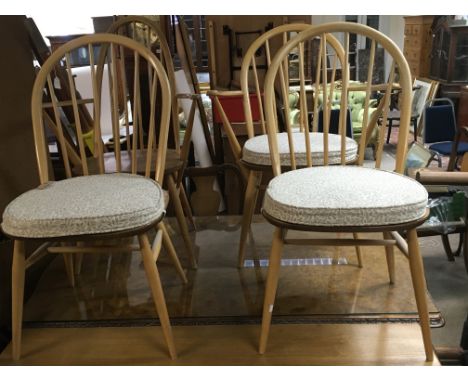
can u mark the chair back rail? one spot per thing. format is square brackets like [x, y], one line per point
[154, 39]
[47, 110]
[265, 41]
[325, 84]
[252, 82]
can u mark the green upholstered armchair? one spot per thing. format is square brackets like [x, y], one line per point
[356, 101]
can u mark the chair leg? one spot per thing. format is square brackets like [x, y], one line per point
[175, 198]
[167, 242]
[186, 206]
[415, 129]
[154, 281]
[250, 200]
[70, 269]
[79, 259]
[389, 130]
[271, 285]
[389, 253]
[17, 297]
[79, 263]
[419, 286]
[358, 250]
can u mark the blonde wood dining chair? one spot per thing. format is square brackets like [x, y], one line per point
[147, 32]
[253, 157]
[94, 210]
[345, 198]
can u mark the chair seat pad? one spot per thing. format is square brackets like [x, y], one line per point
[257, 151]
[344, 196]
[445, 148]
[85, 205]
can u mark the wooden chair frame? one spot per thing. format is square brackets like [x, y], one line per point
[391, 236]
[87, 243]
[174, 172]
[253, 174]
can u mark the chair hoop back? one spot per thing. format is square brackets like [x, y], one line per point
[154, 39]
[322, 84]
[58, 110]
[248, 66]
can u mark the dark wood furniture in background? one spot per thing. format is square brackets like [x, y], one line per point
[18, 168]
[462, 115]
[449, 56]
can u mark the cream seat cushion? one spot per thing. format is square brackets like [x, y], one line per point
[344, 196]
[257, 151]
[85, 205]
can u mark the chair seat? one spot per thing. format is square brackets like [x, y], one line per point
[445, 148]
[85, 205]
[344, 196]
[256, 149]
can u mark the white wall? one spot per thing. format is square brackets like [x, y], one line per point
[51, 24]
[393, 27]
[322, 19]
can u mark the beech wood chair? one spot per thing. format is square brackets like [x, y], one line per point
[253, 158]
[95, 211]
[148, 33]
[317, 197]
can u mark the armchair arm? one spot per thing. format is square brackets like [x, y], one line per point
[225, 93]
[192, 96]
[449, 178]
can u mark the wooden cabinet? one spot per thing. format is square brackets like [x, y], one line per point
[462, 116]
[449, 56]
[417, 45]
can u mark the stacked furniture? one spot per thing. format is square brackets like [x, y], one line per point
[417, 45]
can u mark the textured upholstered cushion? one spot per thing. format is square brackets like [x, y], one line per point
[256, 150]
[344, 196]
[445, 148]
[85, 205]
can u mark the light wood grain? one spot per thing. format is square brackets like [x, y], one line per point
[293, 344]
[419, 285]
[250, 200]
[17, 288]
[110, 45]
[270, 287]
[369, 121]
[156, 288]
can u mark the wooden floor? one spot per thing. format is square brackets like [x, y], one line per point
[290, 344]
